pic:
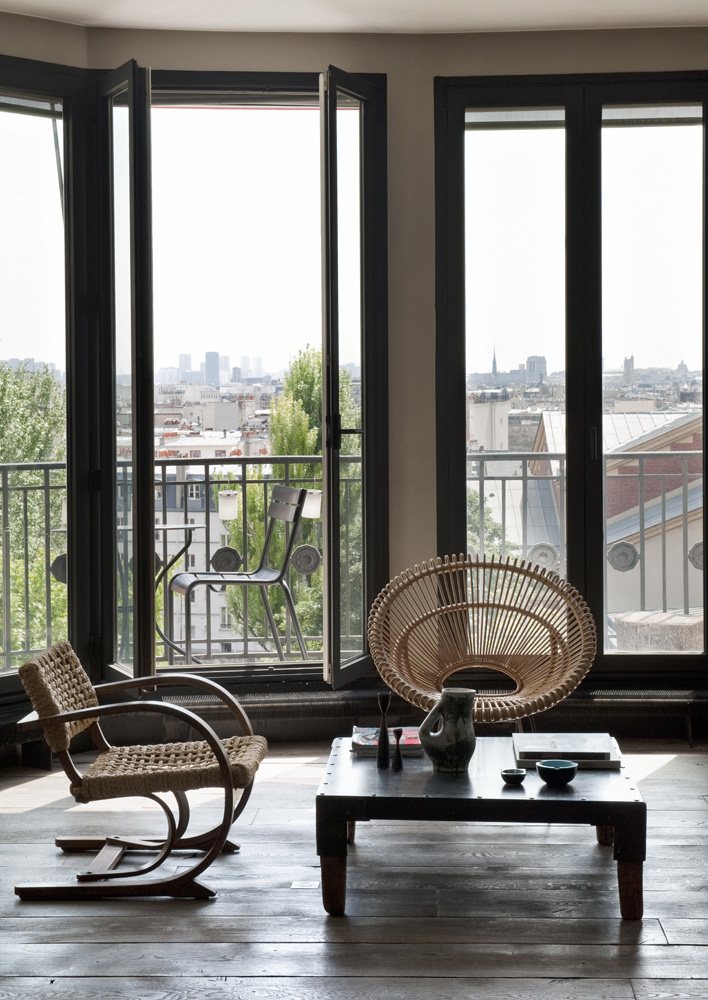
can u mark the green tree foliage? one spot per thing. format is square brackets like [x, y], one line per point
[493, 534]
[32, 416]
[32, 431]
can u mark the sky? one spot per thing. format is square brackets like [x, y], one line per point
[236, 236]
[652, 246]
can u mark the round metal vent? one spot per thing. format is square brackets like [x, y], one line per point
[695, 555]
[623, 556]
[306, 559]
[544, 554]
[226, 560]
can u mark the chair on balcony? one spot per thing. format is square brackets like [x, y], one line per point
[460, 613]
[285, 508]
[67, 704]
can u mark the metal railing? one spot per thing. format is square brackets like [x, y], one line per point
[516, 507]
[653, 526]
[33, 540]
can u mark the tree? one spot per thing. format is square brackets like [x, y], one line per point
[32, 416]
[493, 532]
[32, 431]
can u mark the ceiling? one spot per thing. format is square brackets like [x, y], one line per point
[395, 16]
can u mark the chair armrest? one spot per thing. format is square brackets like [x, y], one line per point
[186, 680]
[29, 721]
[159, 707]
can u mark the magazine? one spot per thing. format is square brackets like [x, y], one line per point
[365, 741]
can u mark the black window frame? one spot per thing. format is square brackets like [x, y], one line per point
[583, 96]
[90, 442]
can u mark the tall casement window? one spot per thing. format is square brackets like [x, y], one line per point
[571, 274]
[33, 486]
[192, 331]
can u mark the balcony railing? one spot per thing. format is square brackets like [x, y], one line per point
[33, 560]
[516, 507]
[653, 528]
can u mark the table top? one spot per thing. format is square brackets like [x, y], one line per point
[350, 777]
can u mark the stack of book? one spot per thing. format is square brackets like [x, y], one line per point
[592, 750]
[365, 741]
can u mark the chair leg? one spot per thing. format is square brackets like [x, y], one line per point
[293, 615]
[182, 884]
[271, 622]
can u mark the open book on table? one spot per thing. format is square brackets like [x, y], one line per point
[365, 741]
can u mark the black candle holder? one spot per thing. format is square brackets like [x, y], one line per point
[382, 752]
[397, 762]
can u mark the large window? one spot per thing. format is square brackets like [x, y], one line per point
[33, 500]
[570, 345]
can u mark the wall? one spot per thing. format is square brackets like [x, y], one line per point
[411, 63]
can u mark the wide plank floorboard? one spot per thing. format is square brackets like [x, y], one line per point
[443, 910]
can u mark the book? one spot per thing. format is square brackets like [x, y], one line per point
[365, 741]
[595, 750]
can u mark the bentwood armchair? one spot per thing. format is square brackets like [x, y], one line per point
[67, 704]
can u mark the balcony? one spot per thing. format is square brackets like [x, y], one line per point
[516, 507]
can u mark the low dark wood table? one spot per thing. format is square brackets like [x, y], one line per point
[353, 790]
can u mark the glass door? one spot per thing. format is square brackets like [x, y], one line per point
[351, 107]
[652, 378]
[126, 94]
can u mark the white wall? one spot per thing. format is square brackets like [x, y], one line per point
[411, 63]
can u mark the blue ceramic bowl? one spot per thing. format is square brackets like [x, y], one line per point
[513, 775]
[556, 772]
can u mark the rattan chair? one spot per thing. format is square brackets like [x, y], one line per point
[66, 704]
[461, 613]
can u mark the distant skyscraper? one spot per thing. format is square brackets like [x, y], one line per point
[628, 370]
[211, 368]
[185, 362]
[494, 362]
[258, 367]
[245, 365]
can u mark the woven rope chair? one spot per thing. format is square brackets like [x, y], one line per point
[459, 613]
[66, 704]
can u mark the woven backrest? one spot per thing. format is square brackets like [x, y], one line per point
[56, 682]
[460, 612]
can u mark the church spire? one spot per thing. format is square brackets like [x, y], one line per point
[494, 362]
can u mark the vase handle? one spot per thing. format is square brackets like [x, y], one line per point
[427, 726]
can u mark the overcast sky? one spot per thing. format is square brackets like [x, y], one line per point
[236, 232]
[652, 246]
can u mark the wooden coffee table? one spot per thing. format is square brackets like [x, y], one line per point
[353, 790]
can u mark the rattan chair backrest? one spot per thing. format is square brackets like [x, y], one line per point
[463, 613]
[55, 682]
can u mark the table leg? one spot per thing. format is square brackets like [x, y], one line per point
[605, 835]
[630, 880]
[351, 831]
[334, 884]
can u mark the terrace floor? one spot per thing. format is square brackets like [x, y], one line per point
[440, 911]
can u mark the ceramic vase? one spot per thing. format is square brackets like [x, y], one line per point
[447, 732]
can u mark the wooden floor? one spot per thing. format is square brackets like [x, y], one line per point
[435, 911]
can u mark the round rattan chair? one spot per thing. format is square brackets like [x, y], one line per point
[461, 613]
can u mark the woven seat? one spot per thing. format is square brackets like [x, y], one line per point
[66, 704]
[460, 613]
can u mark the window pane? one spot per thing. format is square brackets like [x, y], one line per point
[515, 333]
[237, 358]
[351, 561]
[33, 541]
[652, 302]
[123, 380]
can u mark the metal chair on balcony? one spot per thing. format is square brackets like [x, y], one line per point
[460, 613]
[286, 507]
